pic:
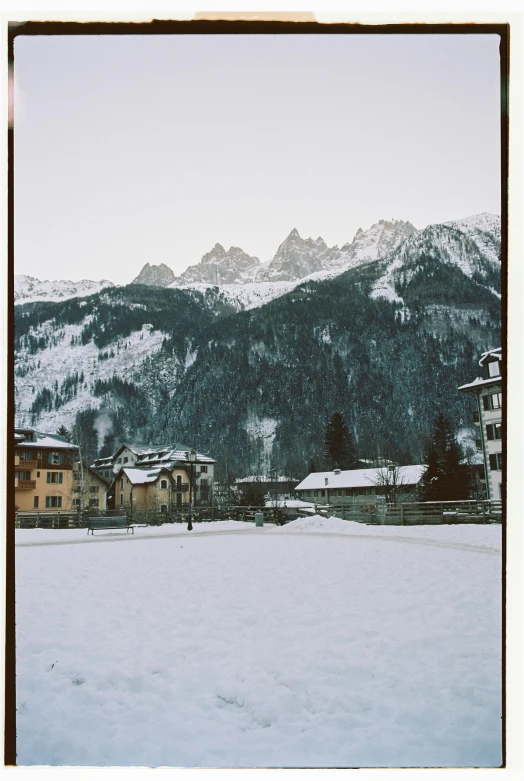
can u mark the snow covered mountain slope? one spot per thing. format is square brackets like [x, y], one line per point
[247, 296]
[28, 289]
[471, 245]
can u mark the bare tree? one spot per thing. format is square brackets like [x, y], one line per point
[390, 481]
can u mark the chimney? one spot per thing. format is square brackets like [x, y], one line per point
[326, 479]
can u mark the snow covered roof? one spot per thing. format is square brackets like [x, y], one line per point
[165, 455]
[359, 478]
[491, 355]
[479, 383]
[42, 441]
[292, 503]
[266, 479]
[142, 476]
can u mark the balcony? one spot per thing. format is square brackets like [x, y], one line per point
[25, 485]
[28, 465]
[181, 487]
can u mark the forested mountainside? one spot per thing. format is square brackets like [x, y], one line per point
[386, 343]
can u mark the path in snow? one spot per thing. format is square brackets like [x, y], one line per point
[119, 536]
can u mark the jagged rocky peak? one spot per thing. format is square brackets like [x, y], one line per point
[220, 267]
[155, 276]
[375, 243]
[297, 258]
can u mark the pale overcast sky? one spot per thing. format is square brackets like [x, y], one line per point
[135, 149]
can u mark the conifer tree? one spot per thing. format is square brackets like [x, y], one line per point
[445, 478]
[339, 446]
[63, 432]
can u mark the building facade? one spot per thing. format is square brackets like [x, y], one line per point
[43, 471]
[89, 489]
[488, 390]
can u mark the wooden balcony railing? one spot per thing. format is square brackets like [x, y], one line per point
[181, 487]
[25, 485]
[29, 465]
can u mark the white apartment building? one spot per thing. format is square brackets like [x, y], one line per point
[488, 389]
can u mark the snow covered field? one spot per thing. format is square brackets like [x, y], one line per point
[322, 643]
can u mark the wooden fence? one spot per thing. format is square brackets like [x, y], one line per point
[418, 513]
[404, 514]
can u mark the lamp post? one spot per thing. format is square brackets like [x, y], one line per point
[191, 456]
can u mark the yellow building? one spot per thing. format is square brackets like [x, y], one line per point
[157, 489]
[43, 471]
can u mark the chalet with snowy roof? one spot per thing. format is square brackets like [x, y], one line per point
[352, 486]
[142, 489]
[131, 466]
[43, 471]
[488, 390]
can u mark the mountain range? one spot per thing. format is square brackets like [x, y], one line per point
[295, 260]
[250, 371]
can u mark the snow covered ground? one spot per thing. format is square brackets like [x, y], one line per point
[322, 643]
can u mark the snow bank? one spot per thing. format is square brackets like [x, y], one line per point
[488, 535]
[305, 646]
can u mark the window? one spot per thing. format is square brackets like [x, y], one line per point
[492, 401]
[38, 474]
[76, 502]
[163, 508]
[121, 499]
[121, 483]
[203, 468]
[203, 481]
[126, 459]
[35, 502]
[93, 503]
[163, 484]
[93, 489]
[494, 369]
[23, 475]
[495, 461]
[53, 501]
[55, 458]
[322, 493]
[179, 499]
[316, 493]
[55, 477]
[178, 481]
[494, 430]
[119, 461]
[76, 475]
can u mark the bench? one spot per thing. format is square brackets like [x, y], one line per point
[118, 522]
